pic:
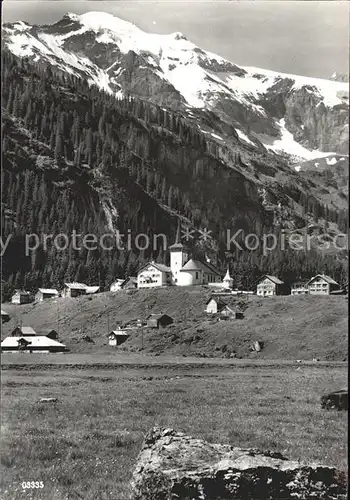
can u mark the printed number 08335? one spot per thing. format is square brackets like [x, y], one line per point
[32, 484]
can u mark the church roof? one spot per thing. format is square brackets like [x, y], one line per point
[192, 265]
[198, 265]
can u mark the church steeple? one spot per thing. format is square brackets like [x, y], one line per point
[227, 281]
[178, 255]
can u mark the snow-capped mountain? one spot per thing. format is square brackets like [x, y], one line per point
[301, 116]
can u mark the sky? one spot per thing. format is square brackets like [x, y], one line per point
[300, 37]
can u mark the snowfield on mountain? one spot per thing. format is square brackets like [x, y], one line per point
[298, 115]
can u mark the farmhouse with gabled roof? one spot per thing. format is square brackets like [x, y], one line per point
[270, 285]
[321, 284]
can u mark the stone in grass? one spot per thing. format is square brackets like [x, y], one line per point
[337, 400]
[47, 400]
[172, 465]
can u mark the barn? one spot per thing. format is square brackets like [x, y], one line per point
[46, 293]
[22, 297]
[52, 335]
[23, 331]
[37, 343]
[130, 283]
[74, 290]
[116, 286]
[5, 317]
[159, 320]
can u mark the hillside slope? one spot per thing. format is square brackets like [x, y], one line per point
[290, 327]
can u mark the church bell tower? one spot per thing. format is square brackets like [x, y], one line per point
[178, 256]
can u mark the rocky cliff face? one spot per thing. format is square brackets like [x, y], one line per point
[172, 465]
[171, 71]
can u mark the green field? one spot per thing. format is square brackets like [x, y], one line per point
[85, 445]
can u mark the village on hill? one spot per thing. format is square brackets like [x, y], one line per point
[220, 301]
[224, 302]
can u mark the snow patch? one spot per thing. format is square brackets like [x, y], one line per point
[244, 137]
[287, 144]
[216, 136]
[329, 91]
[331, 161]
[297, 168]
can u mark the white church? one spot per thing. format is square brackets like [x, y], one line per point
[182, 271]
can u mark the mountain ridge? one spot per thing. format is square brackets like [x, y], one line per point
[171, 71]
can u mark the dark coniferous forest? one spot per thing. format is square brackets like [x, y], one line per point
[75, 158]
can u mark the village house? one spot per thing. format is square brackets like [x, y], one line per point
[159, 320]
[74, 290]
[299, 288]
[118, 337]
[22, 297]
[130, 283]
[116, 286]
[322, 285]
[226, 309]
[37, 343]
[153, 275]
[269, 286]
[5, 317]
[23, 331]
[46, 293]
[77, 289]
[215, 305]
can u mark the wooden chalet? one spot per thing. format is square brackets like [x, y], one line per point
[46, 293]
[321, 284]
[270, 285]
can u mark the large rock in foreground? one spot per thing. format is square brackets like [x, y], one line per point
[337, 400]
[173, 466]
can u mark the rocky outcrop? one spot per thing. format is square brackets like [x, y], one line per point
[315, 125]
[173, 466]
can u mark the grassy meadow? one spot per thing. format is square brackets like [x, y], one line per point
[291, 327]
[85, 445]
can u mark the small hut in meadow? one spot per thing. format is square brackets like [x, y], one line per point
[118, 337]
[159, 320]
